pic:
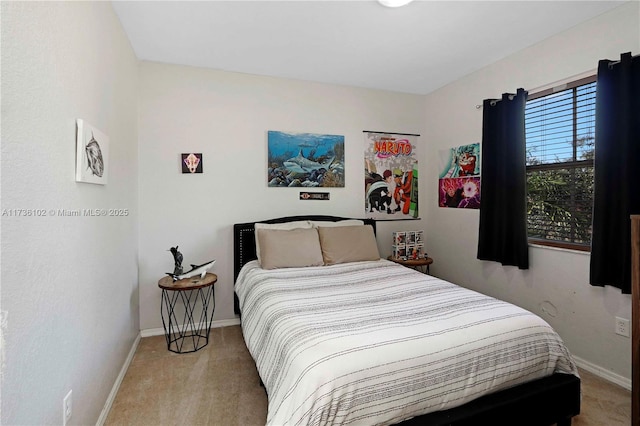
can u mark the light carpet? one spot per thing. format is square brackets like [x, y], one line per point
[219, 385]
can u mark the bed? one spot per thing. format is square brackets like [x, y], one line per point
[373, 342]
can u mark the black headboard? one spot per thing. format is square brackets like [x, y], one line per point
[244, 242]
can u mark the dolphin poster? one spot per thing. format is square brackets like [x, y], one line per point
[305, 160]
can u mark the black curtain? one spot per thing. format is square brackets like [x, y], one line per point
[503, 210]
[616, 171]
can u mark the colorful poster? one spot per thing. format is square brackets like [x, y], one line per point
[390, 176]
[459, 183]
[305, 160]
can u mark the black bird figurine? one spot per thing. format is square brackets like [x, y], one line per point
[177, 257]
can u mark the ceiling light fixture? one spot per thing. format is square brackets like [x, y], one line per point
[394, 3]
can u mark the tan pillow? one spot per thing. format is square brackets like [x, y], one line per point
[285, 225]
[294, 248]
[344, 244]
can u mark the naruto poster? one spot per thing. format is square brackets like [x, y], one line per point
[390, 176]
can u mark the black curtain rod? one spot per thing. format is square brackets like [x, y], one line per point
[390, 133]
[612, 63]
[493, 102]
[511, 95]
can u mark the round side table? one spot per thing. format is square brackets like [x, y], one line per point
[198, 300]
[421, 264]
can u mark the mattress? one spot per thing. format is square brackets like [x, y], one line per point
[377, 343]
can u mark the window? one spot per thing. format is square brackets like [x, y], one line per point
[560, 134]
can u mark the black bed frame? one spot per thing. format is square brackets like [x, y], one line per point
[550, 400]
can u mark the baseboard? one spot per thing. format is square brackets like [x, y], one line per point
[215, 324]
[116, 385]
[603, 373]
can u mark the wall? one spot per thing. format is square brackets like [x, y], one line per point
[69, 284]
[226, 116]
[69, 297]
[583, 315]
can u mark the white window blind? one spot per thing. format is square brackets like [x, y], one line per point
[560, 136]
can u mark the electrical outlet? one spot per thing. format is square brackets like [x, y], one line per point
[67, 409]
[622, 327]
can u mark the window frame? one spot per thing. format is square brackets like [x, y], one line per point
[561, 165]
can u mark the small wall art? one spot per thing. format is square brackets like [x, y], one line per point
[92, 154]
[192, 162]
[315, 196]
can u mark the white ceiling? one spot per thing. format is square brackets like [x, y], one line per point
[415, 49]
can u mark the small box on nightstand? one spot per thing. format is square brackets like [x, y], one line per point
[408, 245]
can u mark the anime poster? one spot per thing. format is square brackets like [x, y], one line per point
[459, 183]
[305, 160]
[390, 176]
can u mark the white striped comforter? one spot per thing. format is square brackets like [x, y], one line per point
[378, 343]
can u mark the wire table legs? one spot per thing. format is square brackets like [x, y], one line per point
[196, 311]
